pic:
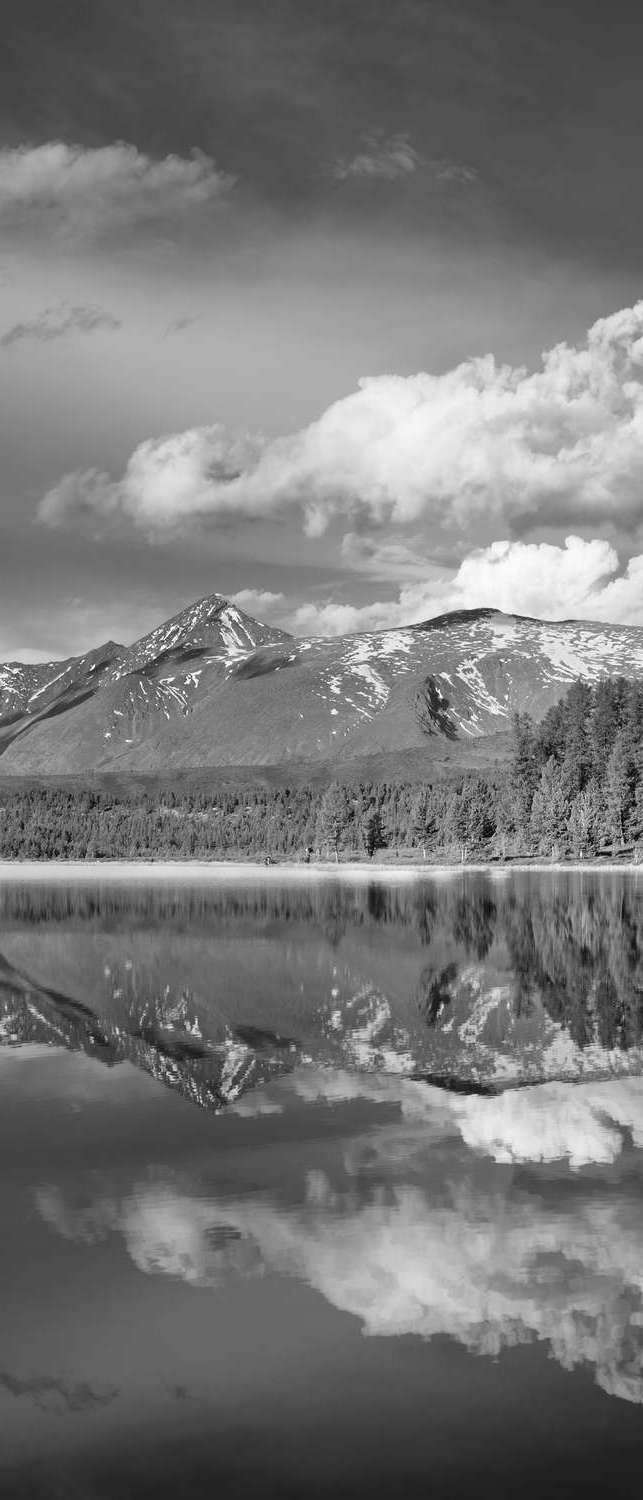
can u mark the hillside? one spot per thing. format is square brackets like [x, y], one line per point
[214, 688]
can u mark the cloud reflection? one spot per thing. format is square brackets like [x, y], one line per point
[420, 1227]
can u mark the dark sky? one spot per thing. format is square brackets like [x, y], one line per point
[378, 190]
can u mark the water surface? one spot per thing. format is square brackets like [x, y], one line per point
[248, 1248]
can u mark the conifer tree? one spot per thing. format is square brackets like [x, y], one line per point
[372, 831]
[333, 817]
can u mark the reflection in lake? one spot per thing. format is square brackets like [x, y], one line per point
[474, 981]
[190, 1293]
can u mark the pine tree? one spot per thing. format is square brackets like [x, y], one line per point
[333, 817]
[584, 820]
[620, 789]
[372, 831]
[549, 809]
[524, 771]
[577, 754]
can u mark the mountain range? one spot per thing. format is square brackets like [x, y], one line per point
[213, 687]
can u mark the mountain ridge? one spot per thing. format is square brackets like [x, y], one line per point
[211, 686]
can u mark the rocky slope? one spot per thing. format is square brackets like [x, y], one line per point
[214, 687]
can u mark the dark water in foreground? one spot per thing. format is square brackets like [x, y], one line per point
[242, 1254]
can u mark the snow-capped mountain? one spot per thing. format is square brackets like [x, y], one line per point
[212, 686]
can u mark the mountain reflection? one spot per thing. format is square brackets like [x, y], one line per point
[418, 1226]
[216, 989]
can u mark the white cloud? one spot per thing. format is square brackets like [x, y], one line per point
[167, 481]
[80, 191]
[537, 578]
[455, 172]
[576, 580]
[386, 157]
[483, 444]
[259, 602]
[573, 581]
[393, 156]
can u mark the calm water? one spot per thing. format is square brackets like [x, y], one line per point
[315, 1190]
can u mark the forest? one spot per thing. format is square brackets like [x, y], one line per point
[572, 787]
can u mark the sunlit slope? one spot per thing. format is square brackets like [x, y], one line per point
[214, 687]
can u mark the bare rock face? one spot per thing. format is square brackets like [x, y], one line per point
[432, 710]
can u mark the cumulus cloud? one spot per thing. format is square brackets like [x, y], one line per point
[57, 322]
[259, 602]
[380, 156]
[80, 191]
[167, 481]
[410, 1239]
[393, 156]
[580, 580]
[455, 172]
[482, 444]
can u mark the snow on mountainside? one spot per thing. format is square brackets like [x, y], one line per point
[28, 688]
[212, 625]
[214, 687]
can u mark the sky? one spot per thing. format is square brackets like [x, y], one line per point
[330, 308]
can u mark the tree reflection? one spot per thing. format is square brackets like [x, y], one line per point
[570, 944]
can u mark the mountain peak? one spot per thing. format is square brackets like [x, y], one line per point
[212, 623]
[213, 687]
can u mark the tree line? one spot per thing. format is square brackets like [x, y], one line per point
[573, 785]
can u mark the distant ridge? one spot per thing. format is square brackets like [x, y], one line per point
[212, 687]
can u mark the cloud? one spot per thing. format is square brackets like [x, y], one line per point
[579, 580]
[483, 444]
[386, 157]
[576, 580]
[258, 602]
[573, 581]
[57, 322]
[89, 193]
[390, 157]
[445, 171]
[411, 1233]
[167, 481]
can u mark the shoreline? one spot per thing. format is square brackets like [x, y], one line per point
[239, 871]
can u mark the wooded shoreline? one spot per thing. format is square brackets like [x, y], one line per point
[232, 870]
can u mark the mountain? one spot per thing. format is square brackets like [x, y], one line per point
[213, 687]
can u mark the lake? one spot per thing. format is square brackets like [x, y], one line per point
[321, 1188]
